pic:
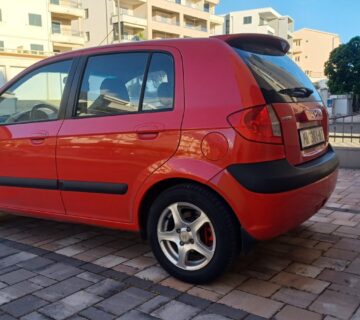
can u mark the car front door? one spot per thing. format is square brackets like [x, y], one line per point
[126, 124]
[30, 118]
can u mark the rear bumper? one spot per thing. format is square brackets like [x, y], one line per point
[280, 176]
[280, 205]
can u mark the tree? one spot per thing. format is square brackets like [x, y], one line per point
[343, 68]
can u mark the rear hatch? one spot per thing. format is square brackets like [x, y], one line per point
[290, 93]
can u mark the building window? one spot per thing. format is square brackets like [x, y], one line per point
[56, 27]
[35, 20]
[2, 45]
[248, 20]
[178, 1]
[55, 2]
[297, 59]
[37, 47]
[86, 13]
[227, 26]
[116, 31]
[206, 6]
[0, 15]
[87, 36]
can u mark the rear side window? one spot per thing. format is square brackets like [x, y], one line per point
[108, 88]
[159, 90]
[279, 78]
[114, 84]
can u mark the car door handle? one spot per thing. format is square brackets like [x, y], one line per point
[38, 137]
[147, 135]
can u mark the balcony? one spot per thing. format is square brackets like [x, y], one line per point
[130, 38]
[195, 6]
[216, 19]
[68, 38]
[129, 20]
[25, 52]
[196, 27]
[266, 29]
[162, 19]
[191, 5]
[164, 35]
[66, 9]
[134, 3]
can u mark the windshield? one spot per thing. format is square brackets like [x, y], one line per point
[279, 78]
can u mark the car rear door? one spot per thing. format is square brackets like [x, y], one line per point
[125, 124]
[31, 114]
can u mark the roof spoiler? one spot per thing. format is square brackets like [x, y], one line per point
[250, 41]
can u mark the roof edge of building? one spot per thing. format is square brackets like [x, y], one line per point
[318, 31]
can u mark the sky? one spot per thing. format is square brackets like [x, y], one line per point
[337, 16]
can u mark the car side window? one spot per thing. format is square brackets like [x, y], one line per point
[36, 96]
[159, 91]
[112, 84]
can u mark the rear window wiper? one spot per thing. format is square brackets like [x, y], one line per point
[299, 92]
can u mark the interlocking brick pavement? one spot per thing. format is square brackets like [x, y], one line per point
[52, 270]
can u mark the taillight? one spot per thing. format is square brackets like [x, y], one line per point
[259, 124]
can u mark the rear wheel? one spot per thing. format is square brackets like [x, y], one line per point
[192, 232]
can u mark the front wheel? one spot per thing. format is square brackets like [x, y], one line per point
[193, 233]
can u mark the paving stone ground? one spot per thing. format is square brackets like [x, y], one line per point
[52, 270]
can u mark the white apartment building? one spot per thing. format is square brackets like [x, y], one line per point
[31, 30]
[111, 21]
[264, 20]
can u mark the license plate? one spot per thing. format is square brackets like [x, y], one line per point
[311, 137]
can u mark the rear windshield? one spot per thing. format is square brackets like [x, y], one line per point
[279, 78]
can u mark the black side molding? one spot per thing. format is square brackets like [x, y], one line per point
[93, 187]
[280, 176]
[53, 184]
[29, 183]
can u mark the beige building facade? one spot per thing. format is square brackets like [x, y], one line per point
[111, 21]
[31, 30]
[263, 20]
[312, 49]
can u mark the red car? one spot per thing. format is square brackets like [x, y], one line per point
[200, 144]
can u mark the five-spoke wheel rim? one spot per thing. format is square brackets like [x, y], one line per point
[186, 236]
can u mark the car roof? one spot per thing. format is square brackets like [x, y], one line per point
[231, 39]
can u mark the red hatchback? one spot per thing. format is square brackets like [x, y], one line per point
[201, 144]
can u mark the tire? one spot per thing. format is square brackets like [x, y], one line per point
[201, 245]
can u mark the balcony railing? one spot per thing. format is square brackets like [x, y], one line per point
[67, 3]
[26, 52]
[69, 33]
[198, 27]
[130, 37]
[166, 20]
[190, 5]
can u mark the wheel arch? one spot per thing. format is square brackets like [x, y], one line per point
[151, 194]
